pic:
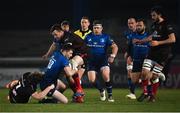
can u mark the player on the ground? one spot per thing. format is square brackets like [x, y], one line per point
[128, 55]
[98, 58]
[161, 39]
[21, 90]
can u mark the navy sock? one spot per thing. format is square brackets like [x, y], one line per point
[98, 86]
[132, 86]
[109, 88]
[149, 88]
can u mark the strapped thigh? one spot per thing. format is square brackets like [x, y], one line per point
[148, 64]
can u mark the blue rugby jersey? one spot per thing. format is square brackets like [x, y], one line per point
[140, 51]
[56, 64]
[98, 44]
[129, 35]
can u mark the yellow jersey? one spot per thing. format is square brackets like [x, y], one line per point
[82, 34]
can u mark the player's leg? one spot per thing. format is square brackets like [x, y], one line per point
[60, 97]
[145, 76]
[60, 86]
[129, 71]
[105, 70]
[81, 72]
[92, 79]
[156, 72]
[135, 76]
[75, 62]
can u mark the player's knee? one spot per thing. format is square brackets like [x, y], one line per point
[135, 78]
[155, 75]
[92, 80]
[106, 78]
[63, 87]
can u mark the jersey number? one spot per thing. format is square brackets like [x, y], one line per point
[18, 86]
[51, 62]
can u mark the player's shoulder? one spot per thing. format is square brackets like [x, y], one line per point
[89, 31]
[146, 33]
[90, 35]
[104, 35]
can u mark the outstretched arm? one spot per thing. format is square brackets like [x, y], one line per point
[50, 51]
[11, 84]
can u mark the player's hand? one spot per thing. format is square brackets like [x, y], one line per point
[52, 86]
[125, 55]
[136, 41]
[11, 84]
[111, 60]
[45, 56]
[154, 43]
[129, 60]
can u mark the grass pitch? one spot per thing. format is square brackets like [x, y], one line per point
[168, 100]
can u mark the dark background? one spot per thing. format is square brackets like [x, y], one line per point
[39, 14]
[24, 24]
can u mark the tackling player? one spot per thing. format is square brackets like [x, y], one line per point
[21, 90]
[80, 49]
[58, 62]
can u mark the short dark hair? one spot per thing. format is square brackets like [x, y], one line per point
[95, 22]
[56, 27]
[85, 17]
[65, 22]
[141, 20]
[158, 10]
[67, 46]
[132, 18]
[34, 77]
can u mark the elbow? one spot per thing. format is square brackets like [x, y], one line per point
[174, 40]
[172, 37]
[68, 75]
[116, 48]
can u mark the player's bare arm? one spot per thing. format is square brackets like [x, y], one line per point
[114, 52]
[11, 84]
[171, 39]
[50, 51]
[42, 94]
[69, 71]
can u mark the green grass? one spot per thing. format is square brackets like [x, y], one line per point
[168, 100]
